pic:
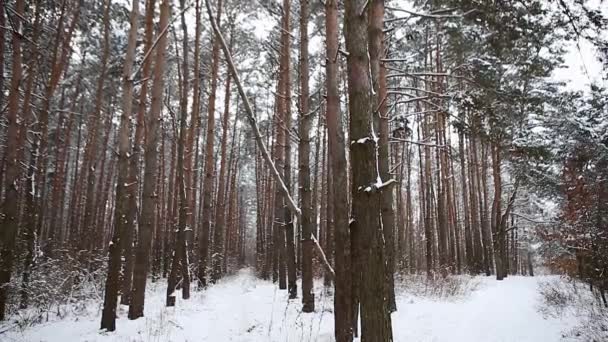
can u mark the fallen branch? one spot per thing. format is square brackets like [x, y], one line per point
[258, 136]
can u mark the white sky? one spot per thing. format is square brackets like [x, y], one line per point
[582, 67]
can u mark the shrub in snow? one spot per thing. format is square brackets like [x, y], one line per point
[59, 285]
[571, 298]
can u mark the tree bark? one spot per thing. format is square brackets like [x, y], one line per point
[149, 195]
[258, 137]
[366, 189]
[337, 155]
[376, 53]
[91, 237]
[209, 161]
[121, 215]
[290, 250]
[222, 189]
[496, 210]
[10, 208]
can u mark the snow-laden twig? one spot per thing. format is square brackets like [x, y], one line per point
[433, 15]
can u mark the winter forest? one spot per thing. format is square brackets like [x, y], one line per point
[304, 170]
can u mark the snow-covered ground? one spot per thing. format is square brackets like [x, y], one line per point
[243, 308]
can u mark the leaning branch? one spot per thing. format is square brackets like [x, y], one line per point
[258, 136]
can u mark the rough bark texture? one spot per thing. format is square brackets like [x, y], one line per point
[146, 228]
[180, 263]
[209, 161]
[10, 209]
[121, 215]
[376, 53]
[366, 196]
[337, 154]
[308, 297]
[496, 214]
[290, 250]
[134, 162]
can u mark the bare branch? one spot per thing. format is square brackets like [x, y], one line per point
[258, 136]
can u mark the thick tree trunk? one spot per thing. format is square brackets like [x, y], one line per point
[329, 226]
[29, 234]
[337, 155]
[2, 49]
[121, 215]
[371, 254]
[180, 262]
[376, 52]
[135, 181]
[10, 208]
[146, 228]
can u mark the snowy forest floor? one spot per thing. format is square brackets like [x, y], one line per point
[244, 308]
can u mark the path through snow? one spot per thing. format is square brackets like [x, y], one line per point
[498, 312]
[244, 309]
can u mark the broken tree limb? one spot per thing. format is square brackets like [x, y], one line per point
[258, 136]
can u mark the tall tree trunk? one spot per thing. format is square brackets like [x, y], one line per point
[329, 219]
[468, 241]
[413, 264]
[30, 228]
[135, 181]
[378, 70]
[60, 181]
[279, 160]
[146, 228]
[77, 184]
[180, 262]
[290, 250]
[485, 212]
[90, 239]
[193, 144]
[121, 215]
[251, 119]
[209, 161]
[337, 146]
[10, 208]
[428, 201]
[61, 52]
[222, 190]
[104, 175]
[496, 213]
[477, 257]
[366, 190]
[2, 48]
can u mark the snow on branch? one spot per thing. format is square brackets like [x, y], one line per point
[379, 185]
[293, 207]
[439, 14]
